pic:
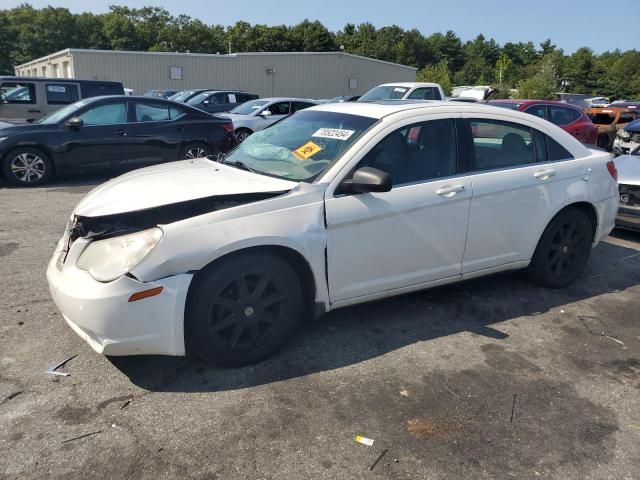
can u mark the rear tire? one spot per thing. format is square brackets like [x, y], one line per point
[563, 250]
[243, 309]
[27, 167]
[195, 150]
[242, 134]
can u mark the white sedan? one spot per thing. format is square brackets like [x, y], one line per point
[336, 205]
[259, 114]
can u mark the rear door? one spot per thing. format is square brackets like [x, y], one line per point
[19, 100]
[520, 177]
[103, 141]
[156, 132]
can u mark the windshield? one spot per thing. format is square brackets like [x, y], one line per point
[301, 146]
[58, 115]
[182, 96]
[198, 98]
[248, 108]
[384, 92]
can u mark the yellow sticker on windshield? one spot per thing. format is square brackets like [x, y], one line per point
[307, 150]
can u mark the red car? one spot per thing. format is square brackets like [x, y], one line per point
[570, 118]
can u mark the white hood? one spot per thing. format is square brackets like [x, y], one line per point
[172, 183]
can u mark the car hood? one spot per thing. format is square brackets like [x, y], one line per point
[628, 167]
[18, 127]
[633, 126]
[177, 183]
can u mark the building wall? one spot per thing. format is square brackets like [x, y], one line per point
[313, 75]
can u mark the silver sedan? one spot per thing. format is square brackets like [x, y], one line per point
[259, 114]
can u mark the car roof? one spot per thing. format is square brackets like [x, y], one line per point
[382, 109]
[287, 99]
[408, 84]
[5, 78]
[534, 102]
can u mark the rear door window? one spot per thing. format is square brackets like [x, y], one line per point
[563, 115]
[295, 106]
[244, 97]
[499, 144]
[151, 112]
[18, 92]
[61, 93]
[92, 89]
[219, 98]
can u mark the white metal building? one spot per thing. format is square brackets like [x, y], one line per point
[298, 74]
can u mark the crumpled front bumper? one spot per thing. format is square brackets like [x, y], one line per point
[103, 316]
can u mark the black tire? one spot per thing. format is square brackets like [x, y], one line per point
[563, 249]
[242, 134]
[243, 309]
[27, 167]
[195, 150]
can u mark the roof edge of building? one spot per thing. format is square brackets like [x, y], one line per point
[238, 54]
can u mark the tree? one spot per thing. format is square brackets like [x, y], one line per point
[502, 71]
[438, 73]
[543, 85]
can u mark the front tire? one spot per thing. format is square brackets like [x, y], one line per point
[243, 309]
[27, 167]
[563, 250]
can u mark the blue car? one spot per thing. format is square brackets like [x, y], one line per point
[627, 141]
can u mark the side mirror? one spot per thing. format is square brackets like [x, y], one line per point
[266, 113]
[367, 180]
[206, 102]
[74, 123]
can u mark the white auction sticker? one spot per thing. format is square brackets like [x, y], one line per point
[335, 133]
[398, 89]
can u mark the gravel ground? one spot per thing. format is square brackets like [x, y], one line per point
[493, 378]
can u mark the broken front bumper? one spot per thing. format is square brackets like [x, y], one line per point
[103, 316]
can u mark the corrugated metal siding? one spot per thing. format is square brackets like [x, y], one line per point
[299, 75]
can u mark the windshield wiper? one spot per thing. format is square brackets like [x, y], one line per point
[242, 166]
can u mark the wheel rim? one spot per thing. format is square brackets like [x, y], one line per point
[28, 167]
[196, 152]
[242, 136]
[247, 311]
[567, 249]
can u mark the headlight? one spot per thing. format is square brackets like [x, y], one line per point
[106, 260]
[623, 134]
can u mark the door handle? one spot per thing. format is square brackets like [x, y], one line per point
[544, 174]
[450, 191]
[122, 133]
[33, 110]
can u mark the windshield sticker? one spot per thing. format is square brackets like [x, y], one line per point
[307, 150]
[398, 89]
[335, 133]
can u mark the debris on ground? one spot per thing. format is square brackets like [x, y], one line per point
[513, 407]
[364, 440]
[54, 370]
[404, 393]
[384, 452]
[81, 436]
[11, 396]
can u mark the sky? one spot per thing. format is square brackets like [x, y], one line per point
[570, 24]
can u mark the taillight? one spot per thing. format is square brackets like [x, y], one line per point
[228, 127]
[613, 171]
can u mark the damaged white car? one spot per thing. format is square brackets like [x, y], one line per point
[336, 205]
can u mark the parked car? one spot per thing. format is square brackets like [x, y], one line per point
[184, 95]
[129, 91]
[160, 93]
[627, 140]
[258, 114]
[609, 120]
[109, 133]
[216, 101]
[338, 204]
[630, 104]
[570, 118]
[341, 98]
[628, 167]
[404, 91]
[25, 98]
[465, 99]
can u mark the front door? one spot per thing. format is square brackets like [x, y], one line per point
[411, 235]
[103, 140]
[277, 110]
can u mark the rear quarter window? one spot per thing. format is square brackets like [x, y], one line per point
[97, 89]
[61, 93]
